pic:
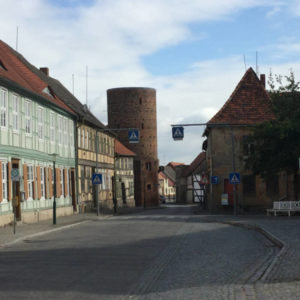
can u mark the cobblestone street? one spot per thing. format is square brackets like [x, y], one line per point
[169, 253]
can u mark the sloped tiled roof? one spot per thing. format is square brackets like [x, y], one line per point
[249, 104]
[174, 164]
[17, 72]
[120, 149]
[62, 93]
[195, 164]
[162, 175]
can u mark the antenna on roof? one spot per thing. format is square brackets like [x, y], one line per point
[86, 86]
[245, 62]
[73, 84]
[17, 38]
[257, 71]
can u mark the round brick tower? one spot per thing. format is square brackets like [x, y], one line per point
[136, 108]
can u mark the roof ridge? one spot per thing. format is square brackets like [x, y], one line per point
[235, 110]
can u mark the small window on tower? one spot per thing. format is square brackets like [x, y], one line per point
[148, 187]
[142, 125]
[148, 166]
[140, 100]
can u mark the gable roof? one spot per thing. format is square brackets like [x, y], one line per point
[121, 150]
[249, 104]
[68, 99]
[174, 164]
[15, 71]
[195, 164]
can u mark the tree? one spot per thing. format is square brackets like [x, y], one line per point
[277, 142]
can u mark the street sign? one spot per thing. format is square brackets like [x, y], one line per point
[97, 178]
[177, 133]
[133, 136]
[204, 180]
[234, 178]
[214, 179]
[15, 175]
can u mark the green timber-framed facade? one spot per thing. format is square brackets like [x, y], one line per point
[34, 125]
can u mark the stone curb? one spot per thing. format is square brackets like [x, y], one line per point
[42, 233]
[272, 238]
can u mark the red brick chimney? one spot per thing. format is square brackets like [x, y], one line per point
[45, 71]
[263, 79]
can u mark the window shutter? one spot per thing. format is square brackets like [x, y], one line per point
[0, 182]
[38, 175]
[58, 187]
[9, 181]
[50, 182]
[46, 182]
[65, 182]
[25, 181]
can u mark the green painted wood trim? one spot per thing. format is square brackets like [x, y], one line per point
[15, 152]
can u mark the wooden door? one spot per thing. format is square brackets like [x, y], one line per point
[228, 189]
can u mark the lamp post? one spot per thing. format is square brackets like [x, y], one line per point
[54, 187]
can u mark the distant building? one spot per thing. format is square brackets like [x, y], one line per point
[196, 180]
[124, 159]
[167, 188]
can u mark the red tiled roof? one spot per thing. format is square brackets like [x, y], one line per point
[18, 73]
[195, 163]
[249, 104]
[120, 149]
[175, 164]
[162, 175]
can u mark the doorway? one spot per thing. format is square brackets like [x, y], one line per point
[15, 164]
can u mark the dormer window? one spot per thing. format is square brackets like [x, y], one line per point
[2, 65]
[47, 91]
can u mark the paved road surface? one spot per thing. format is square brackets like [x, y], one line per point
[160, 254]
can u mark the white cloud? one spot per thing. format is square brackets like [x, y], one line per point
[111, 37]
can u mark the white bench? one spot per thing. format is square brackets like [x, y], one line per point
[284, 207]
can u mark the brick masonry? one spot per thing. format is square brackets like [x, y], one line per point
[136, 108]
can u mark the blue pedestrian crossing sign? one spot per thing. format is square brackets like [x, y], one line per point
[234, 178]
[97, 178]
[177, 133]
[133, 135]
[214, 179]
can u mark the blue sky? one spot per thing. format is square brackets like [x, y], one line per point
[190, 51]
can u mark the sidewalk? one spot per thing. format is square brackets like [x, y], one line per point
[285, 229]
[23, 231]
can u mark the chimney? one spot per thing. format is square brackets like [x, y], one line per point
[263, 80]
[45, 71]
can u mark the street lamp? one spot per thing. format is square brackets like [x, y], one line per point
[54, 187]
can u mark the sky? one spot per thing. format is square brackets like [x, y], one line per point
[193, 52]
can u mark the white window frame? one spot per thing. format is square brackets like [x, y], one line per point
[52, 127]
[65, 128]
[28, 108]
[79, 137]
[3, 108]
[30, 181]
[62, 182]
[40, 117]
[87, 139]
[83, 138]
[4, 181]
[15, 112]
[60, 130]
[71, 130]
[43, 192]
